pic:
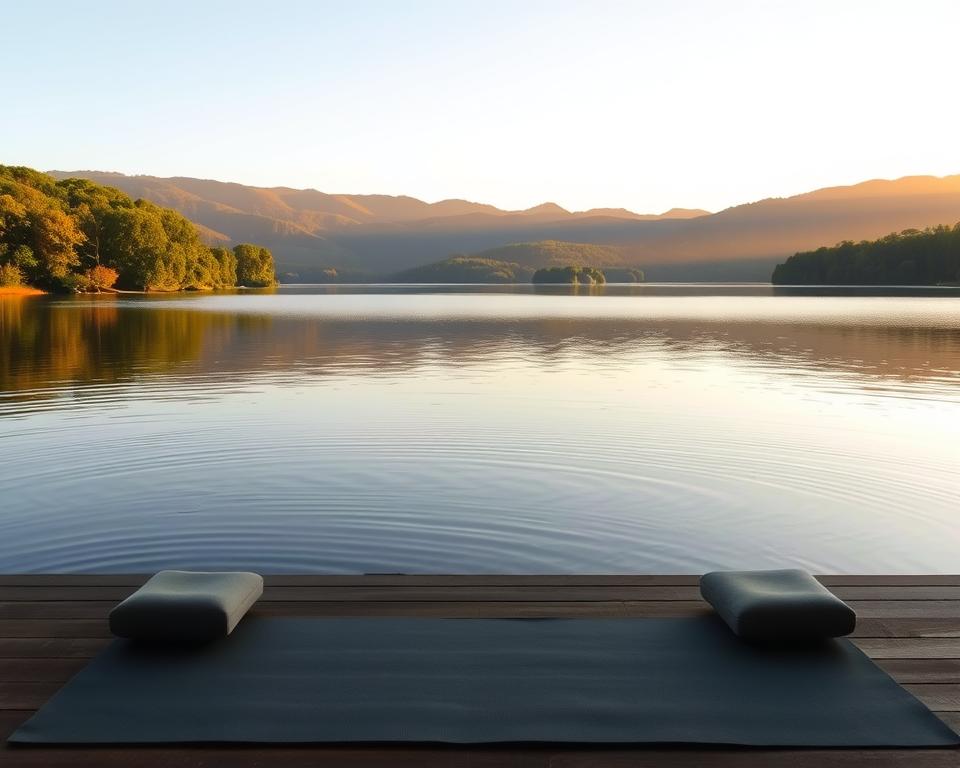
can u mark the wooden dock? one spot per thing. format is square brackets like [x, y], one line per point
[50, 625]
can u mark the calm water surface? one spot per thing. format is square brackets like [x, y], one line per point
[386, 429]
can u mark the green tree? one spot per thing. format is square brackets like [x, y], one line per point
[227, 263]
[254, 266]
[90, 203]
[19, 256]
[135, 244]
[913, 256]
[155, 249]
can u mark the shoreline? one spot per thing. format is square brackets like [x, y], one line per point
[25, 290]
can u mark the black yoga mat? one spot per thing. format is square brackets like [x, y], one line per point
[480, 681]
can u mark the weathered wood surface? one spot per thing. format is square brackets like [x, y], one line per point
[50, 625]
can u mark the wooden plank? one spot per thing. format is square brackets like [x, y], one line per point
[473, 580]
[384, 593]
[922, 610]
[943, 580]
[918, 670]
[950, 718]
[58, 648]
[97, 627]
[896, 593]
[397, 579]
[54, 628]
[36, 593]
[940, 697]
[866, 628]
[910, 648]
[918, 609]
[482, 757]
[910, 627]
[27, 695]
[71, 579]
[734, 758]
[24, 670]
[99, 610]
[866, 609]
[51, 609]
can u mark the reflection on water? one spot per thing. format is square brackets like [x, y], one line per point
[346, 429]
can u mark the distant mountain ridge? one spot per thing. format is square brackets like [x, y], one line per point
[369, 236]
[317, 211]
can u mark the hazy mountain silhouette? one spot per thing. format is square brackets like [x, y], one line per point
[378, 235]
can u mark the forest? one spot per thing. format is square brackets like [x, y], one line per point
[467, 269]
[928, 256]
[76, 235]
[517, 263]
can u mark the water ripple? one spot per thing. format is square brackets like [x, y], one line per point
[350, 433]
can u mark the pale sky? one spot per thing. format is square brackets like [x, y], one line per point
[643, 105]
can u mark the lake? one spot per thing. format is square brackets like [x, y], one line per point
[339, 429]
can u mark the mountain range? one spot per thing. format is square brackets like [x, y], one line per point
[316, 236]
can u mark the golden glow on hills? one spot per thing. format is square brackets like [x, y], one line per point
[311, 231]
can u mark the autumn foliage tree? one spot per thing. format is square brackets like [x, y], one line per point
[226, 265]
[101, 277]
[75, 234]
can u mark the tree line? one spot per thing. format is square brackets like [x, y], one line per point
[928, 256]
[570, 275]
[466, 269]
[77, 235]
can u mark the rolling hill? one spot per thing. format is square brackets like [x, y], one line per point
[514, 263]
[367, 236]
[466, 269]
[554, 253]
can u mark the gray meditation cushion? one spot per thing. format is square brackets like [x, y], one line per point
[777, 606]
[186, 606]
